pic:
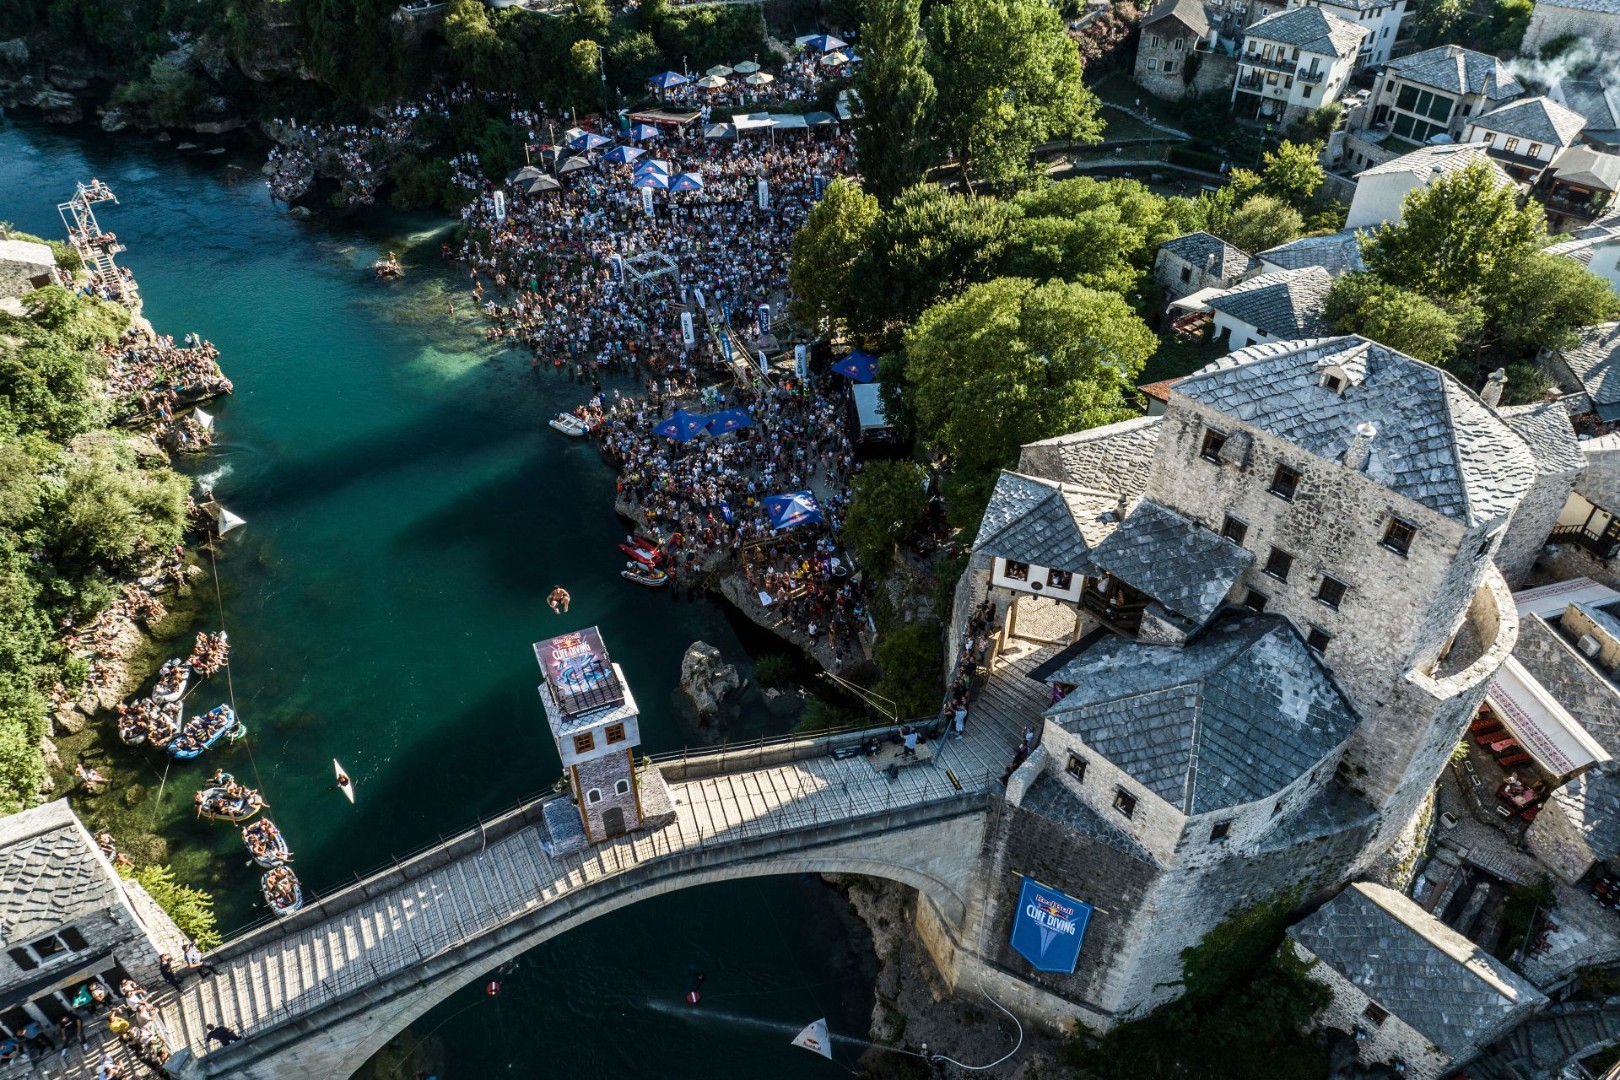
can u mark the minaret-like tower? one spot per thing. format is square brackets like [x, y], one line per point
[593, 721]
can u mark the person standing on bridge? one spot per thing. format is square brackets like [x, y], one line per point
[224, 1034]
[195, 962]
[166, 969]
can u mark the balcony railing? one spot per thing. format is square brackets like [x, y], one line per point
[1593, 542]
[1287, 67]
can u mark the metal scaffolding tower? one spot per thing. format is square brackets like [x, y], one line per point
[95, 248]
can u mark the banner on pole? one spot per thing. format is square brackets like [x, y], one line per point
[764, 194]
[500, 206]
[764, 364]
[818, 184]
[646, 200]
[764, 318]
[616, 267]
[688, 332]
[801, 361]
[1049, 927]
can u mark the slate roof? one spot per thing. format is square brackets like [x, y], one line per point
[1434, 161]
[1594, 359]
[1591, 805]
[1211, 253]
[1184, 566]
[1572, 680]
[1539, 119]
[1189, 12]
[1584, 242]
[1587, 167]
[1049, 798]
[1437, 444]
[1048, 524]
[1436, 981]
[1589, 98]
[1546, 429]
[1115, 457]
[1285, 305]
[1337, 253]
[1312, 30]
[1236, 715]
[1457, 70]
[51, 873]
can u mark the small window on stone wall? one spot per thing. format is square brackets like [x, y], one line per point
[1284, 482]
[1318, 639]
[1398, 536]
[1234, 530]
[593, 796]
[1125, 802]
[1076, 767]
[1213, 441]
[1255, 600]
[1375, 1013]
[1278, 563]
[621, 787]
[1331, 592]
[1219, 831]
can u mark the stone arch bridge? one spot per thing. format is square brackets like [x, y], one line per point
[318, 993]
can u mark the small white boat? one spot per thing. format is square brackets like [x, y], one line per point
[344, 784]
[570, 425]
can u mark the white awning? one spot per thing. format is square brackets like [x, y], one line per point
[1195, 301]
[869, 405]
[1543, 727]
[1551, 601]
[751, 121]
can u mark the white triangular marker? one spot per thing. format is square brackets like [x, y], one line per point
[815, 1039]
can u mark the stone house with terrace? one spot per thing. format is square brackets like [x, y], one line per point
[1429, 93]
[1295, 61]
[1525, 136]
[1286, 613]
[1382, 18]
[1198, 261]
[1420, 998]
[1171, 36]
[1282, 306]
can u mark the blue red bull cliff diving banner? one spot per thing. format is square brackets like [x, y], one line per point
[1049, 927]
[578, 670]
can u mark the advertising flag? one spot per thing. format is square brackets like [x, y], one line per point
[801, 362]
[616, 266]
[815, 1039]
[764, 318]
[764, 194]
[646, 201]
[500, 206]
[688, 333]
[1049, 927]
[819, 184]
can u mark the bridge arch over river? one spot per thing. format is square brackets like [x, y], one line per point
[319, 993]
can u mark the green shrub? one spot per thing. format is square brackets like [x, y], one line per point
[1194, 159]
[191, 909]
[773, 669]
[911, 660]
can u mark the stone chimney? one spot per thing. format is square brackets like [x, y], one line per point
[1492, 394]
[1360, 448]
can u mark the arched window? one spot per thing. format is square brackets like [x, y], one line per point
[622, 787]
[593, 796]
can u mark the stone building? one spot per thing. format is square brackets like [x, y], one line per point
[67, 918]
[1594, 22]
[1170, 35]
[1198, 261]
[24, 267]
[1382, 18]
[594, 723]
[1282, 306]
[1382, 189]
[1418, 996]
[1295, 61]
[1587, 371]
[1287, 613]
[1525, 136]
[1429, 93]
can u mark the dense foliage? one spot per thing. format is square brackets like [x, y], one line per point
[890, 498]
[80, 506]
[897, 96]
[191, 909]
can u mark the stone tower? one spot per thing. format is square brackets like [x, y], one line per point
[593, 722]
[1279, 610]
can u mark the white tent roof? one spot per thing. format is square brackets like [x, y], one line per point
[1543, 727]
[1196, 301]
[1551, 601]
[751, 121]
[869, 405]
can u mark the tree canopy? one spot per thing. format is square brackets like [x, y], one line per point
[1261, 222]
[836, 233]
[1008, 79]
[896, 93]
[1011, 361]
[1399, 318]
[888, 500]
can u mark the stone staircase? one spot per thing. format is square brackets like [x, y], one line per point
[1543, 1045]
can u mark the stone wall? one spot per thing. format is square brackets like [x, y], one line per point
[607, 775]
[1383, 1043]
[1532, 523]
[1600, 29]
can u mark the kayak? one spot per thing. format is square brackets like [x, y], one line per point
[344, 783]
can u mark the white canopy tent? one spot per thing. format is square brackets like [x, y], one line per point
[1197, 301]
[1545, 729]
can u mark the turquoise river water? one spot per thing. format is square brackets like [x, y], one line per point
[408, 511]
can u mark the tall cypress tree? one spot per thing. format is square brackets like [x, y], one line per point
[896, 100]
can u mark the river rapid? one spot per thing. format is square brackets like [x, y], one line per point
[408, 511]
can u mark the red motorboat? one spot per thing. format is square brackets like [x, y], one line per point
[640, 554]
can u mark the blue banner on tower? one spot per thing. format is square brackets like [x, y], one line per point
[1049, 927]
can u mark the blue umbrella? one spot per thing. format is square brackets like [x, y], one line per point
[825, 43]
[666, 79]
[858, 365]
[623, 155]
[729, 420]
[642, 132]
[681, 426]
[686, 182]
[587, 140]
[794, 508]
[653, 165]
[650, 180]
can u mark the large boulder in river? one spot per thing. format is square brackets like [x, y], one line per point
[116, 118]
[67, 77]
[58, 107]
[705, 679]
[14, 53]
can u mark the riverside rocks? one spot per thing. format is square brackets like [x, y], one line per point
[57, 106]
[705, 680]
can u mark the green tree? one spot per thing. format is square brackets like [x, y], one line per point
[896, 100]
[890, 498]
[911, 663]
[1399, 318]
[1008, 78]
[1544, 299]
[836, 233]
[1293, 173]
[1457, 239]
[1101, 233]
[1262, 222]
[191, 909]
[927, 245]
[1009, 362]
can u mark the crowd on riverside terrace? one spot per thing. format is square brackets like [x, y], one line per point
[555, 248]
[129, 1015]
[149, 377]
[703, 501]
[800, 79]
[97, 640]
